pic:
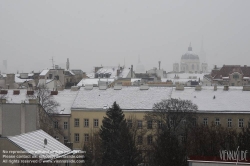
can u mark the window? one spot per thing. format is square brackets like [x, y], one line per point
[183, 138]
[217, 121]
[150, 124]
[86, 137]
[130, 123]
[235, 76]
[241, 123]
[77, 137]
[86, 122]
[65, 125]
[194, 121]
[76, 122]
[172, 122]
[150, 140]
[139, 124]
[96, 122]
[139, 140]
[205, 121]
[183, 121]
[65, 140]
[159, 124]
[229, 122]
[56, 125]
[232, 84]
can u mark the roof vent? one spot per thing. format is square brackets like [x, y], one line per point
[198, 87]
[246, 88]
[45, 141]
[215, 87]
[179, 87]
[226, 87]
[144, 87]
[102, 87]
[3, 92]
[88, 86]
[74, 88]
[117, 87]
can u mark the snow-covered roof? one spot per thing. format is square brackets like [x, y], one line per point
[108, 70]
[17, 98]
[90, 75]
[124, 73]
[44, 72]
[19, 80]
[65, 98]
[233, 100]
[33, 143]
[94, 81]
[127, 98]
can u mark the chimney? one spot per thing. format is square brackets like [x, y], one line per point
[131, 71]
[215, 66]
[159, 65]
[118, 72]
[215, 87]
[226, 87]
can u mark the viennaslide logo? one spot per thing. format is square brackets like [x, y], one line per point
[233, 155]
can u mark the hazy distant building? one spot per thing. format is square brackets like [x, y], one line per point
[140, 67]
[190, 63]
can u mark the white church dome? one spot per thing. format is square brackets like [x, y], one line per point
[190, 54]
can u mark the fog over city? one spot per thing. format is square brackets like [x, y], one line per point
[109, 33]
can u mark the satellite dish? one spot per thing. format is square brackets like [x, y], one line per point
[45, 141]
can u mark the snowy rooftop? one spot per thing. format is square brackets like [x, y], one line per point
[108, 70]
[44, 72]
[65, 99]
[17, 98]
[94, 81]
[33, 143]
[233, 100]
[124, 73]
[127, 98]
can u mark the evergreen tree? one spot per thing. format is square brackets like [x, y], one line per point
[118, 147]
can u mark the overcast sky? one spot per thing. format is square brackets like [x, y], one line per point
[93, 33]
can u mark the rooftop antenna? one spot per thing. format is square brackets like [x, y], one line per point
[52, 62]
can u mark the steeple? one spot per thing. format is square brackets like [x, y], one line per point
[190, 47]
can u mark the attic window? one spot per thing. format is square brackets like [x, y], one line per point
[3, 92]
[236, 76]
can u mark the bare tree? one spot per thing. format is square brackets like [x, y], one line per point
[48, 110]
[172, 119]
[173, 114]
[44, 97]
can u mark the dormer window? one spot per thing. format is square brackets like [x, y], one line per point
[236, 76]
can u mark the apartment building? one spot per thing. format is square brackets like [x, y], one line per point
[226, 107]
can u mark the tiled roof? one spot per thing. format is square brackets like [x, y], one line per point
[229, 69]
